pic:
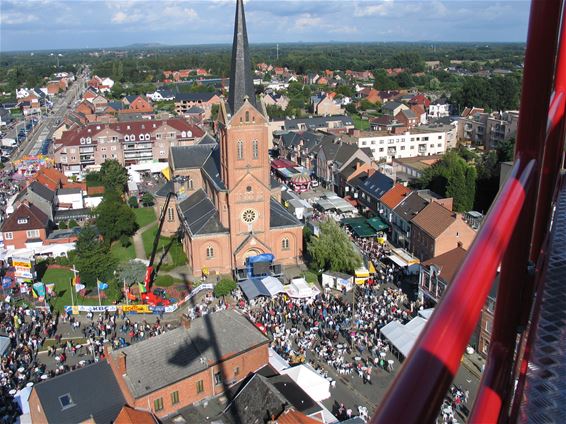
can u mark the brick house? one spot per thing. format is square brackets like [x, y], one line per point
[137, 104]
[53, 87]
[26, 227]
[205, 100]
[391, 199]
[85, 107]
[408, 118]
[436, 230]
[192, 363]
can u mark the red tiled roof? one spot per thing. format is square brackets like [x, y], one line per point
[448, 263]
[129, 415]
[35, 219]
[394, 196]
[51, 178]
[292, 416]
[434, 219]
[72, 137]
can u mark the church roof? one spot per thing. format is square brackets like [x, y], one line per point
[165, 189]
[241, 79]
[194, 156]
[211, 169]
[281, 217]
[200, 214]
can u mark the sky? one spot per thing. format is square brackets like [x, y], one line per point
[70, 24]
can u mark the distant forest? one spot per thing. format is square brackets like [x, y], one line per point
[146, 64]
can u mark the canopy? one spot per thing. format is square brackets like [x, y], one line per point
[268, 286]
[315, 385]
[4, 345]
[403, 337]
[277, 361]
[398, 260]
[426, 313]
[359, 226]
[377, 224]
[300, 289]
[336, 203]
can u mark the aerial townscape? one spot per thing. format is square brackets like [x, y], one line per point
[243, 233]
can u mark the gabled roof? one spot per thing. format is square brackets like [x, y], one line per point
[93, 393]
[42, 191]
[281, 217]
[200, 214]
[377, 185]
[409, 114]
[129, 415]
[434, 219]
[160, 361]
[394, 196]
[317, 122]
[30, 218]
[410, 206]
[208, 139]
[309, 139]
[448, 263]
[194, 97]
[391, 105]
[211, 169]
[189, 157]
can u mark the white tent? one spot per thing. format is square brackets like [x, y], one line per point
[300, 289]
[277, 361]
[273, 285]
[426, 313]
[403, 337]
[316, 386]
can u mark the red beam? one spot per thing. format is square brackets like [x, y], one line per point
[418, 390]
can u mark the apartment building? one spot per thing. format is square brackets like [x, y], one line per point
[127, 142]
[386, 146]
[488, 129]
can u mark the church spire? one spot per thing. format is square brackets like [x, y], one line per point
[241, 80]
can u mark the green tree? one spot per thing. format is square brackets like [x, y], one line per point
[147, 200]
[131, 272]
[333, 250]
[93, 258]
[383, 81]
[405, 80]
[73, 223]
[114, 176]
[224, 287]
[452, 177]
[133, 202]
[63, 225]
[114, 218]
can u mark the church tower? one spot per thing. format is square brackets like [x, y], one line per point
[244, 160]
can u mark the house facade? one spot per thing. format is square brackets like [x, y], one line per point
[25, 228]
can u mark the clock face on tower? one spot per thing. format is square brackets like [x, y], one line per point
[249, 216]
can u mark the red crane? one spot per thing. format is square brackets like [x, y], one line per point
[150, 297]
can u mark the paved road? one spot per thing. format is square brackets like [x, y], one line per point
[48, 123]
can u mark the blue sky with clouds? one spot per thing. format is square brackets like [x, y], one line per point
[58, 24]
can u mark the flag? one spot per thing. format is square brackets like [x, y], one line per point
[141, 286]
[38, 290]
[79, 287]
[101, 285]
[76, 280]
[50, 288]
[6, 283]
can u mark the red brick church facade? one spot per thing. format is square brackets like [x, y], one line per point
[227, 204]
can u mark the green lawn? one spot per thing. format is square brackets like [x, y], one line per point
[144, 216]
[123, 254]
[166, 281]
[359, 123]
[176, 251]
[62, 278]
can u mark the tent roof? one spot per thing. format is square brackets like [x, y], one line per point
[377, 224]
[268, 286]
[316, 386]
[273, 285]
[403, 337]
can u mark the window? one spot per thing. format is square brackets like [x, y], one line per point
[218, 376]
[170, 215]
[200, 386]
[32, 234]
[247, 116]
[158, 404]
[113, 148]
[22, 221]
[158, 136]
[66, 401]
[285, 244]
[240, 146]
[209, 252]
[190, 184]
[236, 371]
[440, 137]
[255, 148]
[174, 398]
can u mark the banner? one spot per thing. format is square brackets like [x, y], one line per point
[7, 283]
[79, 287]
[38, 290]
[101, 285]
[136, 309]
[50, 288]
[141, 287]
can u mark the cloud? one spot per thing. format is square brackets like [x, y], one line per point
[16, 18]
[382, 8]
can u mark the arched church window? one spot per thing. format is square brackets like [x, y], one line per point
[255, 149]
[240, 146]
[285, 244]
[190, 183]
[209, 252]
[247, 116]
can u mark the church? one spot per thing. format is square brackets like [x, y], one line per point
[228, 205]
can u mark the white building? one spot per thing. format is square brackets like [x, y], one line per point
[70, 198]
[439, 109]
[386, 146]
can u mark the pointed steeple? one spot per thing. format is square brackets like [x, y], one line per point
[241, 80]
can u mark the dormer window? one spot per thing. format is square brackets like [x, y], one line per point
[23, 221]
[66, 401]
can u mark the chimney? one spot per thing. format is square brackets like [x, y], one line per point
[185, 321]
[460, 244]
[122, 363]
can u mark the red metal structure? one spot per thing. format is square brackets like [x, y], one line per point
[149, 297]
[515, 237]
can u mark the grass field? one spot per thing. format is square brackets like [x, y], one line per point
[176, 251]
[166, 281]
[123, 254]
[144, 216]
[359, 123]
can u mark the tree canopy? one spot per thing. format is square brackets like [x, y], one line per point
[452, 177]
[333, 250]
[224, 287]
[131, 272]
[498, 93]
[93, 258]
[114, 218]
[114, 176]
